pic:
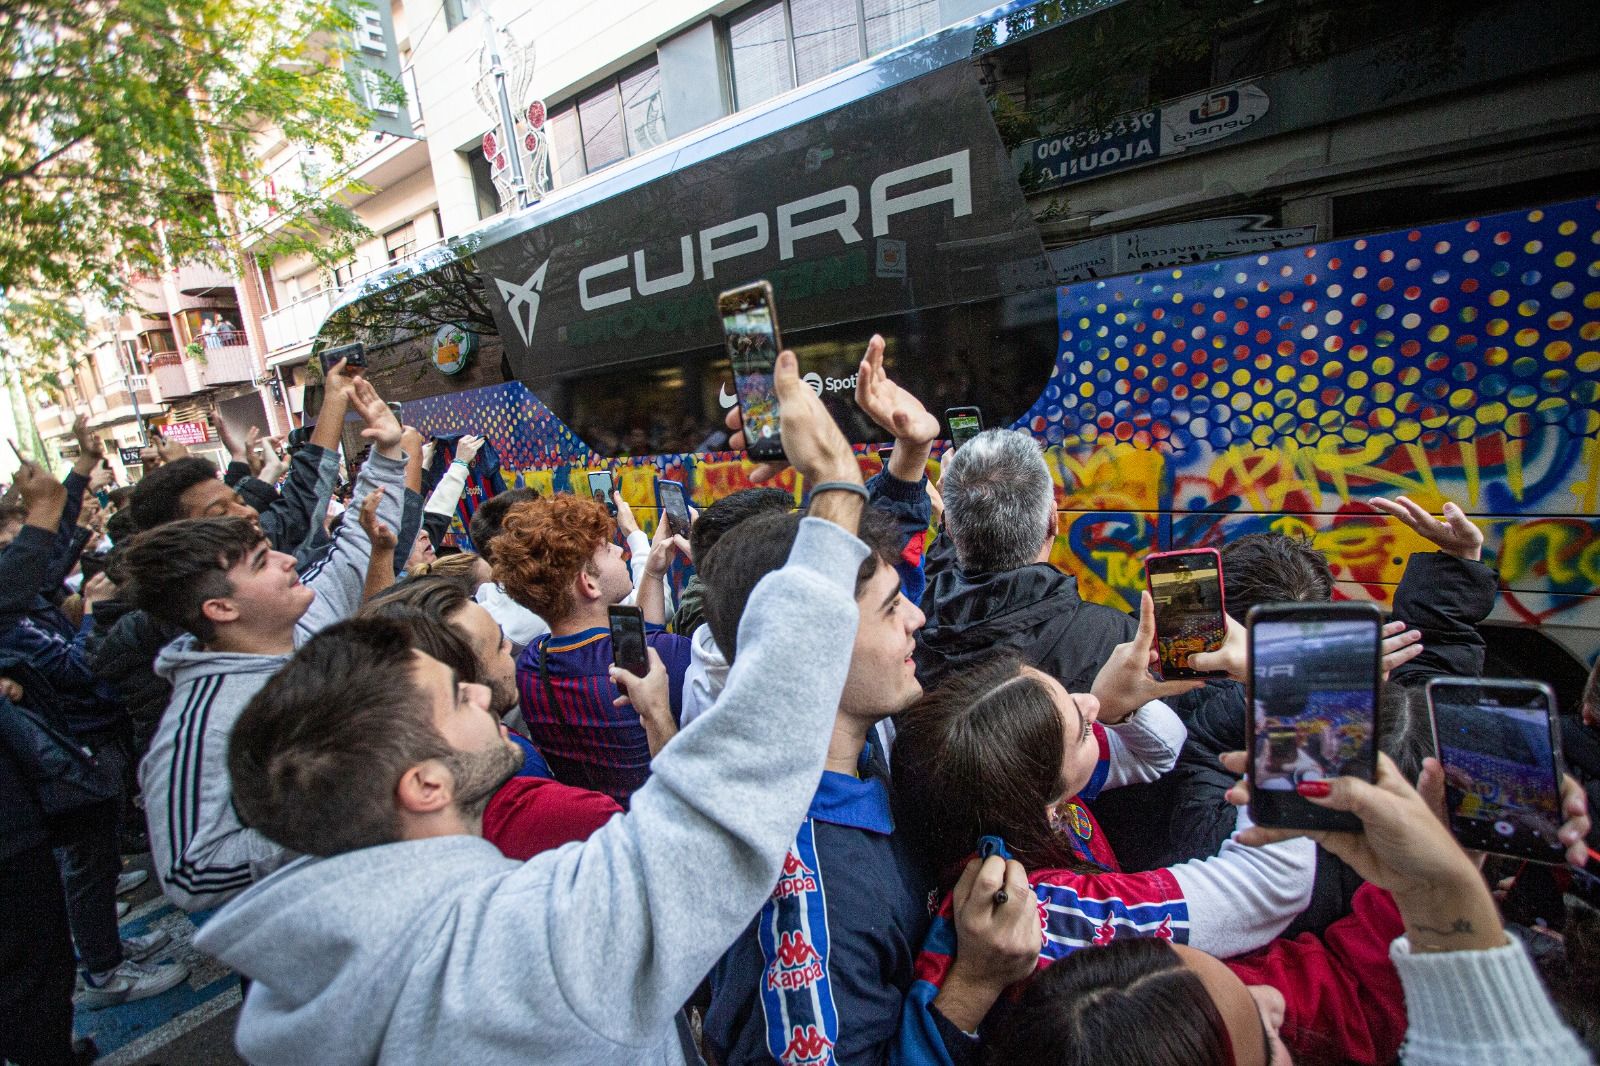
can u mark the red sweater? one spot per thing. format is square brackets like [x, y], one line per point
[533, 814]
[1345, 1003]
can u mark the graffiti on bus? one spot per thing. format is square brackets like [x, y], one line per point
[1281, 392]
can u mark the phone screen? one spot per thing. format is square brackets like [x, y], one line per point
[1501, 788]
[600, 489]
[354, 355]
[674, 506]
[1315, 706]
[751, 335]
[1187, 590]
[627, 640]
[965, 423]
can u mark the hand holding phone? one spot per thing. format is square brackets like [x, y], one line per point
[750, 332]
[601, 485]
[627, 640]
[965, 423]
[1313, 699]
[673, 503]
[1501, 752]
[1188, 593]
[354, 356]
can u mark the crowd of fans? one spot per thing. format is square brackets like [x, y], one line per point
[890, 791]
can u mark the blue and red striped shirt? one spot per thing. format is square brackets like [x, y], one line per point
[569, 714]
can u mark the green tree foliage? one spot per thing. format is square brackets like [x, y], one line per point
[126, 134]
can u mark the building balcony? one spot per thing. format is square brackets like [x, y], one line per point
[296, 323]
[54, 421]
[202, 279]
[176, 376]
[228, 364]
[122, 400]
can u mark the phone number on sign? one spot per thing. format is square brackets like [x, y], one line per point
[1047, 150]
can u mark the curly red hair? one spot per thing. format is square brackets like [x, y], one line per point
[543, 545]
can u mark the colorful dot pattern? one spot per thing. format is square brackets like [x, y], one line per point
[1427, 336]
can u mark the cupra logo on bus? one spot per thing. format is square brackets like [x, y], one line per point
[841, 209]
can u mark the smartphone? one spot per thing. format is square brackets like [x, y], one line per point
[1501, 750]
[965, 423]
[394, 408]
[627, 640]
[1315, 669]
[354, 356]
[750, 333]
[674, 505]
[600, 487]
[1187, 589]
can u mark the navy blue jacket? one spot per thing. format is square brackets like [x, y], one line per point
[821, 974]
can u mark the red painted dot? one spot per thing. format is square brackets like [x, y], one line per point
[1385, 284]
[1334, 343]
[1437, 361]
[1410, 348]
[1386, 256]
[1263, 336]
[1308, 358]
[1335, 263]
[1142, 439]
[1180, 370]
[1331, 396]
[1241, 328]
[1286, 297]
[1263, 311]
[1140, 373]
[1198, 308]
[1414, 235]
[1310, 279]
[1286, 347]
[1413, 291]
[1503, 237]
[1179, 345]
[1219, 316]
[1159, 359]
[1469, 285]
[1358, 300]
[1105, 421]
[1241, 351]
[1333, 370]
[1438, 305]
[1308, 306]
[1219, 365]
[1124, 431]
[1159, 313]
[1474, 226]
[1180, 391]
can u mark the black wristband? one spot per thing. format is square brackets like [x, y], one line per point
[842, 486]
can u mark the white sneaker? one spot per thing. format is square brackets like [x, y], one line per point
[131, 981]
[139, 948]
[130, 880]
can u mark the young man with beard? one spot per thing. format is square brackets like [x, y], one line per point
[406, 937]
[244, 610]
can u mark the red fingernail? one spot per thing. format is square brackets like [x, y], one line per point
[1313, 789]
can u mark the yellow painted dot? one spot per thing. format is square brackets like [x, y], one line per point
[1383, 417]
[1526, 337]
[1566, 259]
[1464, 428]
[1261, 436]
[1262, 411]
[1354, 406]
[1240, 401]
[1220, 389]
[1285, 373]
[1592, 301]
[1241, 376]
[1589, 331]
[1410, 376]
[1309, 383]
[1496, 327]
[1383, 392]
[1556, 351]
[1462, 399]
[1086, 390]
[1122, 363]
[1438, 332]
[1559, 320]
[1533, 247]
[1567, 228]
[1262, 386]
[1497, 298]
[1588, 362]
[1285, 398]
[1355, 432]
[1495, 356]
[1307, 408]
[1357, 379]
[1383, 365]
[1492, 413]
[1407, 431]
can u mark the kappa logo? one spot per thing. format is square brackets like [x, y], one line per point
[807, 1047]
[522, 301]
[1105, 934]
[797, 966]
[796, 878]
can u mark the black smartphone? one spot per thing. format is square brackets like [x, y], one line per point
[1501, 750]
[674, 505]
[394, 408]
[1313, 694]
[750, 333]
[965, 423]
[627, 640]
[354, 356]
[1186, 586]
[600, 487]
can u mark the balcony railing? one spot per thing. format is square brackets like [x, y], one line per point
[176, 376]
[202, 279]
[296, 322]
[228, 364]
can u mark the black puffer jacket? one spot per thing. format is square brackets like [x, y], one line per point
[122, 651]
[1033, 610]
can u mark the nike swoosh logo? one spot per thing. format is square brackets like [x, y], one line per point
[724, 399]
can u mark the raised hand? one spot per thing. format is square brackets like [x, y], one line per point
[378, 532]
[1456, 535]
[1125, 683]
[1399, 645]
[663, 546]
[651, 697]
[41, 494]
[169, 450]
[336, 383]
[469, 448]
[819, 449]
[383, 428]
[627, 522]
[894, 409]
[98, 589]
[89, 445]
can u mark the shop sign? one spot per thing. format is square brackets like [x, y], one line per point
[186, 432]
[453, 346]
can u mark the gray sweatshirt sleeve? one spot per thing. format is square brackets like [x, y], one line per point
[1480, 1008]
[339, 578]
[634, 918]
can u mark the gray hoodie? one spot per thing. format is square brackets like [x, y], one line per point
[442, 951]
[202, 855]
